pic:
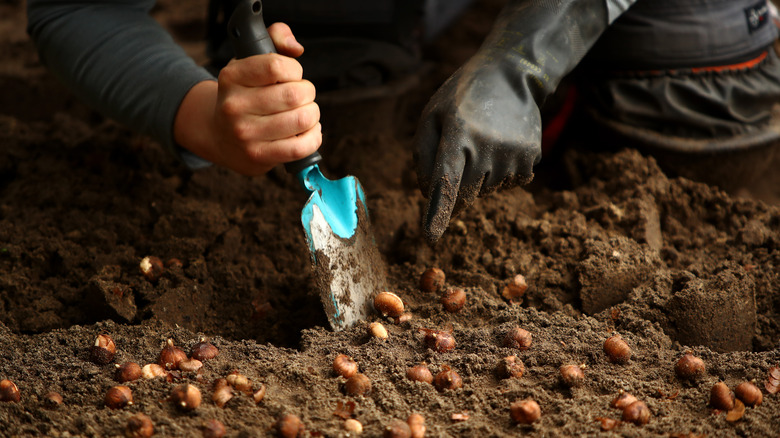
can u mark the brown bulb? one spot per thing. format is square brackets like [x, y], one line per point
[52, 399]
[397, 429]
[736, 413]
[345, 366]
[525, 411]
[517, 338]
[510, 367]
[152, 370]
[127, 372]
[403, 318]
[617, 350]
[432, 280]
[439, 340]
[213, 429]
[749, 394]
[416, 424]
[772, 386]
[9, 392]
[772, 383]
[572, 375]
[102, 352]
[622, 400]
[721, 397]
[389, 304]
[358, 384]
[515, 289]
[420, 373]
[259, 395]
[607, 424]
[239, 381]
[689, 367]
[139, 426]
[447, 379]
[203, 351]
[453, 299]
[171, 356]
[637, 413]
[152, 268]
[377, 330]
[186, 397]
[353, 426]
[174, 263]
[118, 397]
[222, 393]
[289, 426]
[190, 365]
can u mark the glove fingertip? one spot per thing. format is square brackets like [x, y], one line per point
[433, 230]
[437, 216]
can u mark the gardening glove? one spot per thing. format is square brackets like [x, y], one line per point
[481, 131]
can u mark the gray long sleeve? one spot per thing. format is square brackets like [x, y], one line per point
[117, 59]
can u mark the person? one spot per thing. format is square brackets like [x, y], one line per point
[257, 113]
[677, 75]
[247, 115]
[689, 77]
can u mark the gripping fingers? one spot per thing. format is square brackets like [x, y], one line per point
[260, 70]
[287, 149]
[283, 97]
[288, 123]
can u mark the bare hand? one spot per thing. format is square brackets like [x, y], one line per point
[260, 113]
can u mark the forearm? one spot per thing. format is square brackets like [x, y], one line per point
[194, 121]
[116, 58]
[531, 47]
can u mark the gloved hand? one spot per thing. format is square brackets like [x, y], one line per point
[481, 131]
[477, 134]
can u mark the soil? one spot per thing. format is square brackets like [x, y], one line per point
[608, 243]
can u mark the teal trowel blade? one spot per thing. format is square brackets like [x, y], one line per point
[347, 266]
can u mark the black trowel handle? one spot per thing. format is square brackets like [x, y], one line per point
[249, 36]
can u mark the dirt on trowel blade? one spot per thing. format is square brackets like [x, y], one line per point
[348, 272]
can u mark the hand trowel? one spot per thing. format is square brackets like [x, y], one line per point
[347, 266]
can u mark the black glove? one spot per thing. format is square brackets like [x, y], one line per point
[482, 130]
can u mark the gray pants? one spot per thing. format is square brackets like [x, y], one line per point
[694, 83]
[691, 68]
[691, 103]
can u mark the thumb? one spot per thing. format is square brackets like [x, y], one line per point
[284, 40]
